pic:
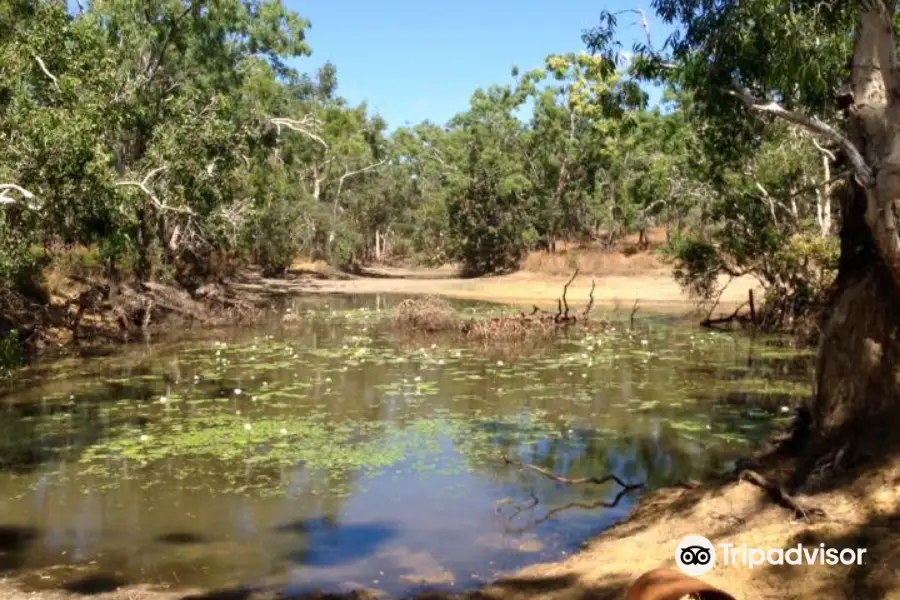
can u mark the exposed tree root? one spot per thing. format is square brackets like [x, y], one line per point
[778, 495]
[85, 311]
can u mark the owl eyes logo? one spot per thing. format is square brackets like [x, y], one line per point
[695, 555]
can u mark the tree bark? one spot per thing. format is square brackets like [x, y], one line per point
[857, 388]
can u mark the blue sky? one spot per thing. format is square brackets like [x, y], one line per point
[412, 60]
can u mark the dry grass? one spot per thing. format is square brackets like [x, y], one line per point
[591, 259]
[65, 265]
[434, 315]
[304, 264]
[511, 327]
[429, 314]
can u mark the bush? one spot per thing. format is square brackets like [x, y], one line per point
[278, 235]
[491, 229]
[11, 353]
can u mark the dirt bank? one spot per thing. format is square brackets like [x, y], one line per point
[862, 512]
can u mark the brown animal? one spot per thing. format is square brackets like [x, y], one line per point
[669, 584]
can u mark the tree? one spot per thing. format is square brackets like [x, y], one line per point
[490, 214]
[759, 72]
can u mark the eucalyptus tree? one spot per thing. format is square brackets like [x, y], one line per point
[341, 150]
[747, 64]
[430, 158]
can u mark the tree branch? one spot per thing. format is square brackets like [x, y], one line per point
[144, 186]
[300, 126]
[644, 23]
[45, 70]
[580, 481]
[357, 172]
[5, 198]
[812, 124]
[823, 149]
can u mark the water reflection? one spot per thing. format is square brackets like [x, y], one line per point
[318, 453]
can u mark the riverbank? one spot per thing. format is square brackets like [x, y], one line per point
[653, 291]
[88, 310]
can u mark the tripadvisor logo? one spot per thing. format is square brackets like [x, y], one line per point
[696, 555]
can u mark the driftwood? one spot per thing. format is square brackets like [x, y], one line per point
[742, 319]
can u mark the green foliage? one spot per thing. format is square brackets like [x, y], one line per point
[697, 265]
[11, 354]
[277, 237]
[768, 208]
[168, 135]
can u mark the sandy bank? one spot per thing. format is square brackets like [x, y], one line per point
[656, 291]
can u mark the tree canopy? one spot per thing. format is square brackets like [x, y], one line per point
[170, 134]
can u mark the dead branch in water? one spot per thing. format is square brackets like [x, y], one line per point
[518, 509]
[580, 481]
[552, 512]
[735, 316]
[565, 317]
[590, 301]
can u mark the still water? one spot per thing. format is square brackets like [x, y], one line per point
[326, 453]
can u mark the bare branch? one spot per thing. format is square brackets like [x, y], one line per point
[823, 149]
[357, 172]
[644, 23]
[812, 124]
[580, 481]
[771, 202]
[6, 187]
[5, 198]
[144, 186]
[153, 173]
[303, 126]
[45, 70]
